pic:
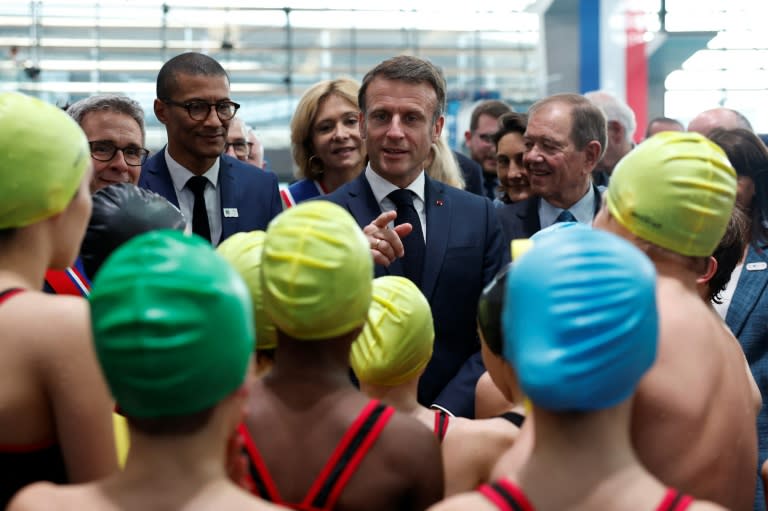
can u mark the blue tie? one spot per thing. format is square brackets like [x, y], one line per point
[413, 260]
[565, 216]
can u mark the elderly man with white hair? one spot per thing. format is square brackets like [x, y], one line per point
[621, 128]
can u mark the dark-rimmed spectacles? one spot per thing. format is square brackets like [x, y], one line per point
[104, 150]
[200, 110]
[240, 148]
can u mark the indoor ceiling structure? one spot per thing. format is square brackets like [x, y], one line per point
[63, 50]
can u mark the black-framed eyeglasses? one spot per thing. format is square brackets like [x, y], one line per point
[199, 110]
[486, 137]
[240, 148]
[104, 150]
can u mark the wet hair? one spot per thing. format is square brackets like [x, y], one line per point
[408, 69]
[108, 103]
[190, 63]
[728, 253]
[491, 107]
[489, 309]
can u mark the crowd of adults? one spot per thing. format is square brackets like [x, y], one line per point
[563, 319]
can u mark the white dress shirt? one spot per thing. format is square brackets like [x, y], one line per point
[180, 176]
[381, 188]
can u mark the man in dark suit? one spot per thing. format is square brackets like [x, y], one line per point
[218, 194]
[472, 172]
[483, 123]
[451, 240]
[564, 140]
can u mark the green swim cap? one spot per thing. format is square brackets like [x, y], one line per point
[316, 272]
[172, 323]
[43, 157]
[396, 343]
[243, 252]
[676, 190]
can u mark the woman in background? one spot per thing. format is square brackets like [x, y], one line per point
[325, 140]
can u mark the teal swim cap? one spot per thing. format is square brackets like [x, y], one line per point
[172, 323]
[580, 321]
[317, 272]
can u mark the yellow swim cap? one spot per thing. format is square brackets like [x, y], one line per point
[243, 252]
[43, 157]
[676, 190]
[316, 272]
[396, 343]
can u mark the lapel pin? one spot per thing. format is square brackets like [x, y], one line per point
[758, 266]
[231, 213]
[439, 202]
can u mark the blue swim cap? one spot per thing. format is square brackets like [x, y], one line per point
[557, 227]
[580, 321]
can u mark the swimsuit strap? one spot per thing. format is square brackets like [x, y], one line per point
[349, 453]
[506, 495]
[515, 418]
[674, 501]
[259, 481]
[340, 467]
[442, 418]
[7, 293]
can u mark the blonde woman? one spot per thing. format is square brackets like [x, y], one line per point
[442, 165]
[327, 148]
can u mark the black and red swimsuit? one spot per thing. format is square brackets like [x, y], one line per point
[507, 496]
[442, 419]
[340, 467]
[21, 465]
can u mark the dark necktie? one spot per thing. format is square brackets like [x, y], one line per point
[565, 216]
[200, 224]
[413, 260]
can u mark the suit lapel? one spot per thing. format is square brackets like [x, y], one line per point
[529, 218]
[748, 290]
[598, 200]
[228, 198]
[363, 206]
[159, 178]
[438, 211]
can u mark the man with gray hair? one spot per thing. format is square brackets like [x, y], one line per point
[621, 128]
[564, 141]
[114, 126]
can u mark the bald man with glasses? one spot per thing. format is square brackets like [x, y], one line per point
[218, 194]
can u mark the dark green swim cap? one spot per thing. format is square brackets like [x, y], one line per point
[172, 323]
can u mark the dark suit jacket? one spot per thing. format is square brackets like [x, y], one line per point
[472, 172]
[245, 187]
[521, 219]
[748, 320]
[463, 254]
